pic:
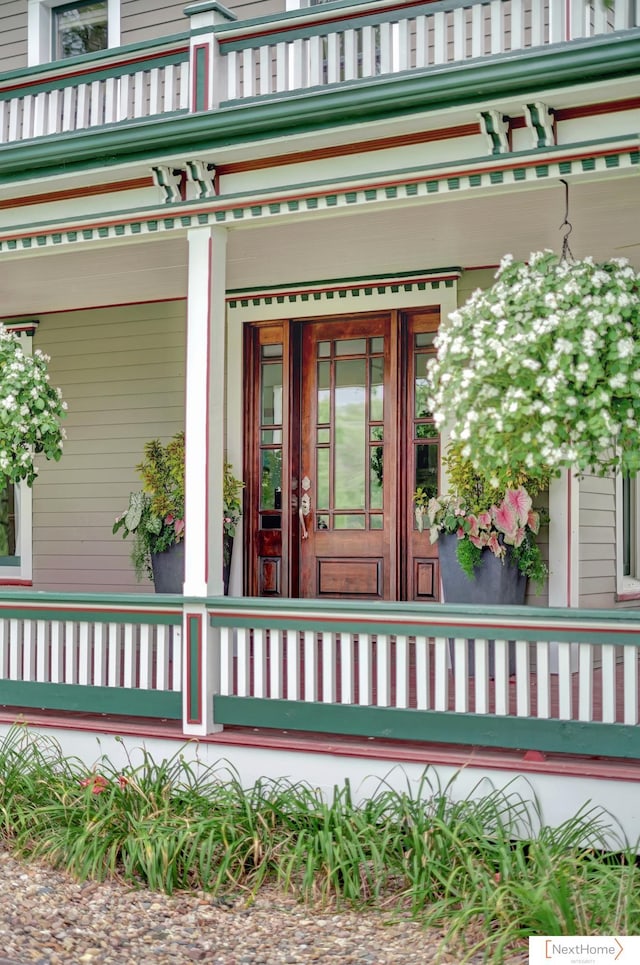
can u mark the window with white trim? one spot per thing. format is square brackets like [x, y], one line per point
[59, 29]
[16, 552]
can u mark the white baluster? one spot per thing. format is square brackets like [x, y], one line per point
[383, 671]
[276, 682]
[53, 120]
[333, 59]
[125, 95]
[68, 112]
[226, 661]
[585, 681]
[110, 100]
[95, 104]
[517, 24]
[42, 651]
[403, 44]
[459, 33]
[365, 677]
[266, 69]
[346, 668]
[146, 659]
[57, 653]
[497, 28]
[139, 89]
[328, 667]
[28, 104]
[242, 644]
[368, 51]
[386, 51]
[601, 18]
[84, 654]
[441, 660]
[4, 113]
[461, 675]
[423, 682]
[70, 653]
[82, 106]
[501, 676]
[14, 120]
[608, 684]
[297, 79]
[154, 91]
[538, 10]
[169, 89]
[129, 679]
[162, 658]
[350, 55]
[15, 650]
[259, 664]
[233, 86]
[248, 87]
[523, 682]
[99, 656]
[310, 666]
[630, 670]
[439, 37]
[113, 655]
[293, 665]
[184, 85]
[543, 680]
[402, 671]
[176, 658]
[28, 651]
[282, 64]
[565, 700]
[482, 676]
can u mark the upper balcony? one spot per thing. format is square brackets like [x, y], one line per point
[221, 64]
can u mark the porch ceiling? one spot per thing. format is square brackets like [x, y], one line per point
[466, 231]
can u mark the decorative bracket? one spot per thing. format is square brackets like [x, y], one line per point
[540, 119]
[169, 180]
[495, 126]
[202, 174]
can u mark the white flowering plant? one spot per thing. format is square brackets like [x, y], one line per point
[30, 411]
[542, 371]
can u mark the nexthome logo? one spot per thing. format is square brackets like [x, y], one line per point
[555, 948]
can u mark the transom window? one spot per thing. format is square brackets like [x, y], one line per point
[80, 28]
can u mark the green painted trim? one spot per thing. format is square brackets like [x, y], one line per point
[200, 69]
[192, 9]
[350, 279]
[90, 616]
[393, 723]
[118, 70]
[88, 60]
[299, 112]
[194, 658]
[9, 561]
[97, 700]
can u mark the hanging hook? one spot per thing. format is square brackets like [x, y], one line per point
[566, 254]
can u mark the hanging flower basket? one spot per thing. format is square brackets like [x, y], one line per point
[542, 371]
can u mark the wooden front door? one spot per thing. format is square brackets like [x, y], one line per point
[338, 436]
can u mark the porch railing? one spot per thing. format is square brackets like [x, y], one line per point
[328, 44]
[518, 677]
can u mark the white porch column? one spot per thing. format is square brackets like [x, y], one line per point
[204, 465]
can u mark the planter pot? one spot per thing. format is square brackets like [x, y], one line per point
[495, 582]
[168, 569]
[227, 550]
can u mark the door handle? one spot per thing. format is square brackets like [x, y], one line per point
[305, 509]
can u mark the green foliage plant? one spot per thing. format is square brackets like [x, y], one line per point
[155, 514]
[485, 517]
[30, 411]
[542, 371]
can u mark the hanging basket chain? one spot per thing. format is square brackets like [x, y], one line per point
[566, 254]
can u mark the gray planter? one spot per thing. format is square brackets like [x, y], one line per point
[495, 581]
[168, 569]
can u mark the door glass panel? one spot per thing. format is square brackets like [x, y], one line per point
[322, 483]
[426, 430]
[271, 394]
[324, 400]
[271, 488]
[376, 477]
[421, 386]
[376, 521]
[376, 390]
[324, 349]
[271, 437]
[423, 339]
[351, 346]
[377, 345]
[350, 434]
[349, 521]
[324, 436]
[427, 468]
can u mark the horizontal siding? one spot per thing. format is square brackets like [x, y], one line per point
[150, 19]
[121, 370]
[597, 517]
[13, 35]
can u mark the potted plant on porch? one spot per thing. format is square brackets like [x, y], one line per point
[155, 516]
[538, 373]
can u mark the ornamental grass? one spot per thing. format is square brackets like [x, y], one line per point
[484, 870]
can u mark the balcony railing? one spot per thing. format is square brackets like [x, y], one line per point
[512, 677]
[330, 44]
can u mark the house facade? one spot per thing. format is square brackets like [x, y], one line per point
[249, 222]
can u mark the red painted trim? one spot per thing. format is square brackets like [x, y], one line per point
[194, 699]
[10, 582]
[84, 192]
[85, 308]
[301, 618]
[35, 607]
[285, 292]
[162, 213]
[208, 415]
[622, 597]
[95, 69]
[337, 746]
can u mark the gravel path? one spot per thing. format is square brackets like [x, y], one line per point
[49, 919]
